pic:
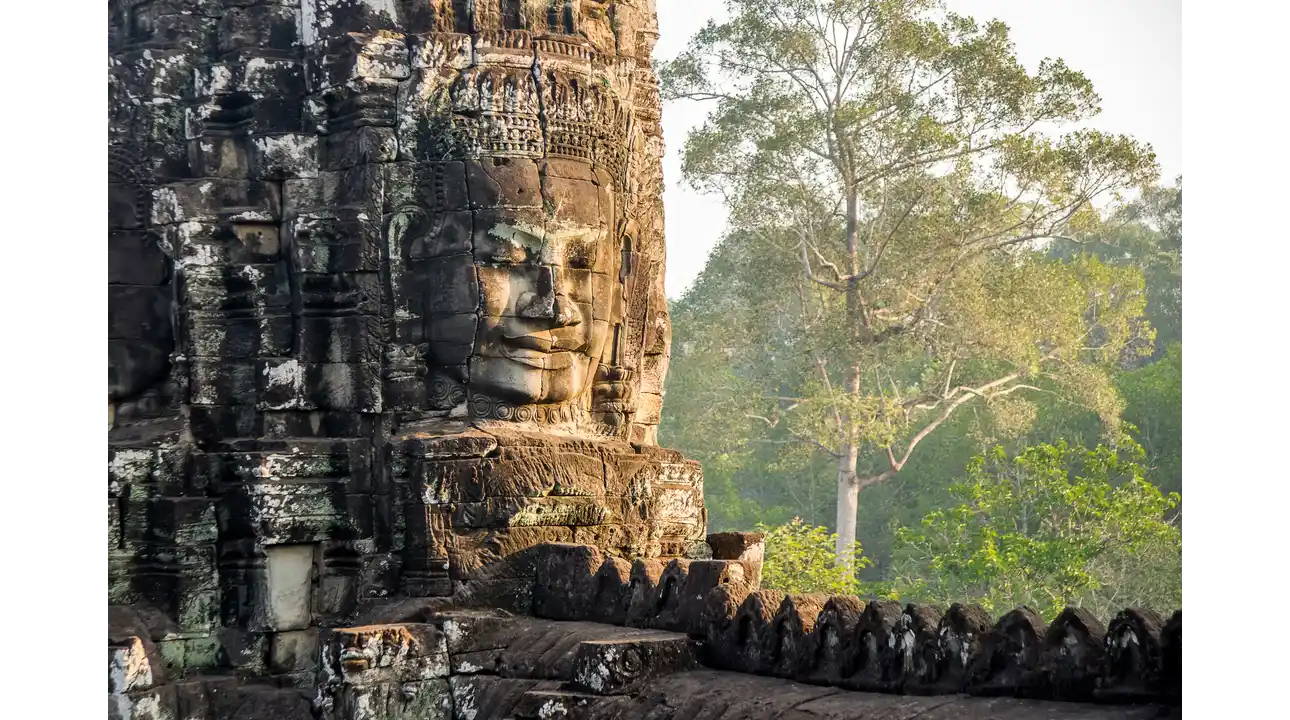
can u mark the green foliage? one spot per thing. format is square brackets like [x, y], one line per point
[916, 262]
[1146, 234]
[800, 558]
[1048, 527]
[1153, 406]
[890, 193]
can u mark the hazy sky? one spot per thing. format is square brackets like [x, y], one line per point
[1130, 49]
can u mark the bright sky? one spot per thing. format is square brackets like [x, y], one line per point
[1130, 49]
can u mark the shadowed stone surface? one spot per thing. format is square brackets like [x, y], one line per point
[714, 694]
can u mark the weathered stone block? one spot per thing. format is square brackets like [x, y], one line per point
[134, 665]
[247, 72]
[261, 27]
[1131, 671]
[216, 199]
[544, 704]
[501, 552]
[284, 155]
[541, 512]
[1008, 663]
[154, 704]
[421, 700]
[474, 631]
[297, 385]
[564, 588]
[293, 652]
[747, 548]
[478, 697]
[541, 474]
[359, 147]
[382, 654]
[624, 667]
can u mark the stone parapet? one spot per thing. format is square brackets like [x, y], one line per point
[874, 646]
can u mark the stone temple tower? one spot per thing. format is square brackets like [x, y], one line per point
[386, 309]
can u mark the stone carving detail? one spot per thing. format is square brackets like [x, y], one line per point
[385, 311]
[876, 647]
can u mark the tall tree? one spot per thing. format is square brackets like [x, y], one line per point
[896, 154]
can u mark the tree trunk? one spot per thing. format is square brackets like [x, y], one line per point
[848, 504]
[848, 483]
[848, 487]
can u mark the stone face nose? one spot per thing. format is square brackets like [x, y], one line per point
[567, 313]
[538, 300]
[547, 298]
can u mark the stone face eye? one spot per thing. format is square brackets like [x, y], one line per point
[582, 254]
[508, 245]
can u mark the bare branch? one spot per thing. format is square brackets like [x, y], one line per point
[810, 274]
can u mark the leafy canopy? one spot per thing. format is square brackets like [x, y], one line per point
[892, 179]
[1048, 527]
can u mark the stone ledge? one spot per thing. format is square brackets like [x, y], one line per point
[877, 646]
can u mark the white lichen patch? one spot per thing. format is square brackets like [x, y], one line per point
[215, 80]
[307, 22]
[164, 71]
[296, 152]
[290, 374]
[201, 255]
[552, 709]
[1125, 639]
[362, 707]
[384, 57]
[252, 273]
[464, 702]
[453, 631]
[276, 466]
[259, 71]
[130, 466]
[166, 207]
[596, 675]
[128, 668]
[262, 216]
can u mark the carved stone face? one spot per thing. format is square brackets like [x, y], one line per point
[541, 331]
[547, 283]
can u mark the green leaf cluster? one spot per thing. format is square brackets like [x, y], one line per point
[1050, 526]
[800, 558]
